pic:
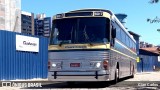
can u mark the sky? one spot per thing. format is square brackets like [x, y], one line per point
[137, 10]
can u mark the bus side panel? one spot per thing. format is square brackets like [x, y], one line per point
[116, 58]
[125, 64]
[113, 61]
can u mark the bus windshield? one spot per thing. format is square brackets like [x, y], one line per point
[81, 30]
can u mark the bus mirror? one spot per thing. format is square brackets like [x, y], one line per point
[114, 33]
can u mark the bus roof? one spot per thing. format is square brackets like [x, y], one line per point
[92, 9]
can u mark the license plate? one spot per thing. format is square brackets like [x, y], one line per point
[74, 64]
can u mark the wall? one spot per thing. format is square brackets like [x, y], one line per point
[157, 64]
[21, 64]
[146, 63]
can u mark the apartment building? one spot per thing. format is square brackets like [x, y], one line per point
[27, 23]
[10, 15]
[42, 25]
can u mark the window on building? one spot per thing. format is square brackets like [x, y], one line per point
[2, 8]
[2, 21]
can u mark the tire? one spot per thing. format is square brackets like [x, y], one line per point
[116, 79]
[132, 76]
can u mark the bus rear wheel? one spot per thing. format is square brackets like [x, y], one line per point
[132, 76]
[116, 76]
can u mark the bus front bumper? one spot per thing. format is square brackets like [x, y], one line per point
[77, 76]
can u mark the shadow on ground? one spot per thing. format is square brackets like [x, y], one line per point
[89, 85]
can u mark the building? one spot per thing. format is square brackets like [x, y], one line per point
[10, 15]
[148, 54]
[145, 44]
[149, 59]
[42, 25]
[27, 23]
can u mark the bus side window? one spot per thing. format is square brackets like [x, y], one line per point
[113, 35]
[113, 32]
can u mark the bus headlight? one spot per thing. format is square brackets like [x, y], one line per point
[56, 65]
[95, 64]
[98, 65]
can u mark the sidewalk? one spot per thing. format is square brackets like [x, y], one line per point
[146, 76]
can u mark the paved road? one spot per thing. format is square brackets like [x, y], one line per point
[123, 85]
[150, 81]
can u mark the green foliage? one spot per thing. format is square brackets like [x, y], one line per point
[153, 1]
[155, 20]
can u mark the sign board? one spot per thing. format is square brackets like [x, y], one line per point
[26, 43]
[158, 58]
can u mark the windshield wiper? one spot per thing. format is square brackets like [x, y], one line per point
[64, 42]
[86, 35]
[60, 44]
[71, 33]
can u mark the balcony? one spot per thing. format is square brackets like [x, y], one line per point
[46, 22]
[46, 28]
[46, 31]
[47, 35]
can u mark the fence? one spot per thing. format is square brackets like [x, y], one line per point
[15, 64]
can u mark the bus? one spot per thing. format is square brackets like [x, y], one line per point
[90, 45]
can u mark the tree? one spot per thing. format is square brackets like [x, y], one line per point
[153, 1]
[156, 19]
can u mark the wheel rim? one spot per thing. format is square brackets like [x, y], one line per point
[117, 72]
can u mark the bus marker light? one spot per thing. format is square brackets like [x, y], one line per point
[105, 64]
[98, 13]
[49, 65]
